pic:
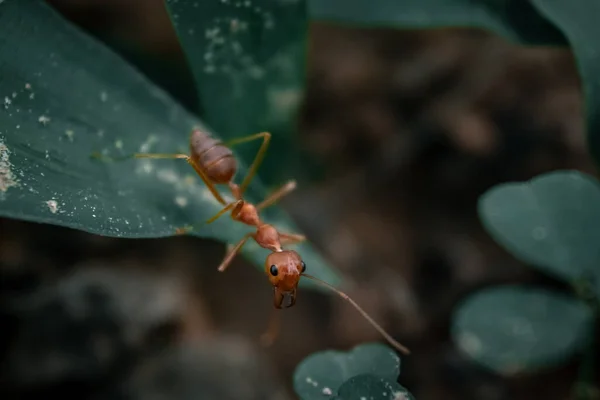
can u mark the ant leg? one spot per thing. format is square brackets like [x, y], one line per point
[190, 228]
[266, 136]
[103, 157]
[272, 331]
[291, 238]
[199, 171]
[276, 195]
[229, 257]
[209, 184]
[223, 211]
[159, 155]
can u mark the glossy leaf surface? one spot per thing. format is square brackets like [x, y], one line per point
[510, 329]
[551, 222]
[248, 60]
[372, 387]
[64, 96]
[325, 372]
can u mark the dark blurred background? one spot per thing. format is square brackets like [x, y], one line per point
[410, 127]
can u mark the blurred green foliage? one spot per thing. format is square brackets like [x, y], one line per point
[534, 22]
[552, 223]
[512, 329]
[515, 20]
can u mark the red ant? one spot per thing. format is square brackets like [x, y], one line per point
[215, 163]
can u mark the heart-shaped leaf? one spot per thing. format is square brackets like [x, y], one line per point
[552, 222]
[324, 372]
[64, 96]
[372, 387]
[247, 57]
[510, 329]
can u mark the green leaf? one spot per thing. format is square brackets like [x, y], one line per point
[510, 329]
[516, 20]
[578, 22]
[324, 372]
[372, 387]
[64, 96]
[248, 59]
[552, 222]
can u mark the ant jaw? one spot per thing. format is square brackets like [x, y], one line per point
[284, 299]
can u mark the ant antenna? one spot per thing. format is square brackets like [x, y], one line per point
[344, 296]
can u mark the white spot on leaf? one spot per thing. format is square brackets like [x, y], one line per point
[44, 119]
[145, 147]
[52, 206]
[168, 176]
[181, 201]
[7, 179]
[470, 343]
[310, 381]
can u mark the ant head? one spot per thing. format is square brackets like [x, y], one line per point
[283, 268]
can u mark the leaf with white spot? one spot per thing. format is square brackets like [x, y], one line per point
[248, 57]
[551, 222]
[371, 387]
[510, 329]
[322, 373]
[66, 96]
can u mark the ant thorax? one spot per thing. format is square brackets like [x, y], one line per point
[267, 236]
[246, 213]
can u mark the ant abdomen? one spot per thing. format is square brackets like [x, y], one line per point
[213, 157]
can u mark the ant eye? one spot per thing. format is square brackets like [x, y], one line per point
[303, 266]
[273, 270]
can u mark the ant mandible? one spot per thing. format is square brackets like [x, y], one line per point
[215, 163]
